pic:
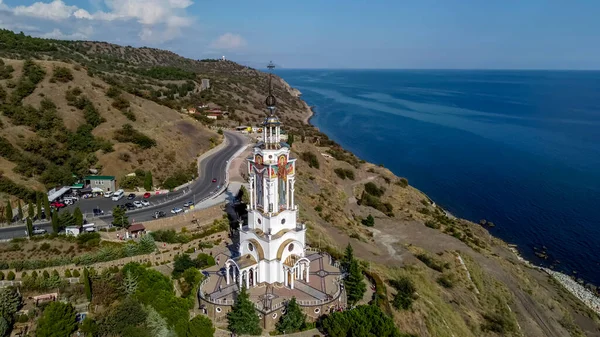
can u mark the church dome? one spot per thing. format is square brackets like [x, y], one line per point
[272, 121]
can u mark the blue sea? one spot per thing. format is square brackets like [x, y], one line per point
[518, 148]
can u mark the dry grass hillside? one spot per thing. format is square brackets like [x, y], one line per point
[491, 293]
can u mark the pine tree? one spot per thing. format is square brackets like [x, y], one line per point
[148, 181]
[30, 210]
[293, 320]
[242, 319]
[29, 227]
[348, 257]
[39, 205]
[58, 319]
[10, 301]
[55, 224]
[87, 284]
[355, 285]
[78, 216]
[130, 283]
[20, 210]
[9, 212]
[290, 140]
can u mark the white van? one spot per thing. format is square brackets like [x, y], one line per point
[118, 195]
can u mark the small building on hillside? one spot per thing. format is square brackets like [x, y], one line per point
[106, 183]
[137, 229]
[211, 116]
[205, 84]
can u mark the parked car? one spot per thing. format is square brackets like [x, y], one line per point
[38, 231]
[176, 210]
[130, 206]
[57, 204]
[147, 195]
[137, 204]
[97, 211]
[188, 204]
[131, 196]
[214, 180]
[108, 194]
[145, 203]
[159, 214]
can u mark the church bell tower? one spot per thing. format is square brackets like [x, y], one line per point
[272, 244]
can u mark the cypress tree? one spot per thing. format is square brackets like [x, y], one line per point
[9, 213]
[66, 219]
[55, 225]
[148, 181]
[348, 257]
[78, 216]
[242, 319]
[30, 210]
[86, 284]
[29, 227]
[20, 210]
[39, 206]
[46, 204]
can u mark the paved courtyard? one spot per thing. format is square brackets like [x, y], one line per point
[323, 286]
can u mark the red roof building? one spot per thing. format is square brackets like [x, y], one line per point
[136, 228]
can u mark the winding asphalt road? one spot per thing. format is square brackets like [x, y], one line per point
[212, 167]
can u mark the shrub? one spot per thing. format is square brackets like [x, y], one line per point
[402, 182]
[373, 190]
[446, 281]
[128, 134]
[344, 173]
[62, 74]
[432, 224]
[10, 276]
[369, 221]
[432, 262]
[113, 92]
[311, 159]
[319, 208]
[406, 290]
[120, 103]
[76, 273]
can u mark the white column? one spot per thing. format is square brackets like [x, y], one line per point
[251, 192]
[285, 277]
[292, 285]
[255, 276]
[247, 280]
[307, 271]
[227, 273]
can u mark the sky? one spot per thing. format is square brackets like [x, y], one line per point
[443, 34]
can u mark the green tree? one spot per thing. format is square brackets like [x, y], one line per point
[242, 319]
[58, 320]
[348, 257]
[369, 221]
[364, 320]
[78, 216]
[55, 223]
[30, 210]
[46, 204]
[4, 326]
[293, 320]
[9, 212]
[157, 325]
[119, 217]
[66, 219]
[355, 285]
[10, 301]
[29, 227]
[243, 195]
[182, 262]
[200, 326]
[39, 205]
[148, 181]
[20, 210]
[290, 139]
[87, 284]
[406, 290]
[130, 283]
[10, 276]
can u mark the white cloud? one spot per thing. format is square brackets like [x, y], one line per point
[81, 34]
[160, 20]
[228, 41]
[55, 10]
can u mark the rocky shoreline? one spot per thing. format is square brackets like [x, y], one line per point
[582, 293]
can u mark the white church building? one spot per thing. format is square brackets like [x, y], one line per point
[271, 244]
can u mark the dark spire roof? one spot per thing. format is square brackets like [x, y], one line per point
[271, 101]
